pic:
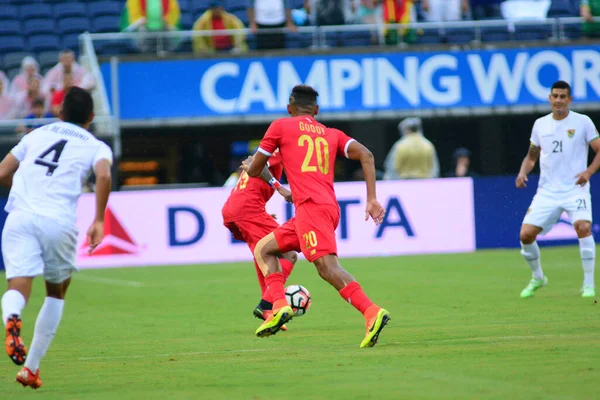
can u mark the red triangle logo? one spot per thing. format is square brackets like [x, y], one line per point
[115, 241]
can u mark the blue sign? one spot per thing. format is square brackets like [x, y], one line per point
[365, 82]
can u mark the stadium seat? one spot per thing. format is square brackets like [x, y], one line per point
[67, 10]
[187, 22]
[533, 32]
[561, 8]
[356, 39]
[115, 47]
[295, 40]
[10, 28]
[41, 43]
[460, 35]
[73, 25]
[573, 31]
[39, 27]
[198, 7]
[11, 73]
[70, 42]
[235, 5]
[8, 12]
[429, 36]
[184, 6]
[13, 60]
[495, 34]
[297, 4]
[105, 24]
[9, 44]
[31, 11]
[48, 59]
[242, 15]
[105, 8]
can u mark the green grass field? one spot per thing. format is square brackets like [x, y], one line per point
[459, 331]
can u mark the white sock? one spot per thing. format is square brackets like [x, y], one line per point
[12, 303]
[45, 328]
[531, 254]
[587, 249]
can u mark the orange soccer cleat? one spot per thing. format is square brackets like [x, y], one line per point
[27, 378]
[15, 348]
[265, 314]
[375, 325]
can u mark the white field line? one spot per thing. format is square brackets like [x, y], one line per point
[107, 281]
[258, 350]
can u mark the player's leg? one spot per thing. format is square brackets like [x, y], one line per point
[579, 210]
[58, 243]
[316, 225]
[21, 252]
[541, 217]
[46, 326]
[267, 253]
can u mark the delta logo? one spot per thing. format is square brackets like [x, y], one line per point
[116, 240]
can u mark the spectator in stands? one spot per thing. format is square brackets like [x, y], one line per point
[368, 12]
[38, 108]
[444, 10]
[413, 156]
[486, 9]
[461, 162]
[29, 69]
[25, 99]
[590, 9]
[7, 102]
[56, 76]
[152, 16]
[270, 14]
[59, 95]
[217, 19]
[329, 12]
[399, 12]
[5, 81]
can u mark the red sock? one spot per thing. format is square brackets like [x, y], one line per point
[275, 287]
[287, 266]
[261, 281]
[354, 295]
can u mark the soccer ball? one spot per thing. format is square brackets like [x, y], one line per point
[299, 298]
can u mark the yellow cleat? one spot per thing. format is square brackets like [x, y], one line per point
[374, 328]
[275, 322]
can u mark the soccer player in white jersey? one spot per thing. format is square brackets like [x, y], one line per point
[560, 140]
[45, 172]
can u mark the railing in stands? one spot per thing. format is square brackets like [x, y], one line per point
[318, 33]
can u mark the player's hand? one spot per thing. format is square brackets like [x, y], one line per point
[95, 235]
[521, 181]
[246, 163]
[375, 211]
[287, 195]
[583, 178]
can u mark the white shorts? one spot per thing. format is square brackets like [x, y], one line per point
[545, 209]
[444, 10]
[34, 245]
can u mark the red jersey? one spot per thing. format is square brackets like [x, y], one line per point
[250, 195]
[308, 150]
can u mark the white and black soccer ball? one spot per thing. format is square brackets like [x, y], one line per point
[299, 298]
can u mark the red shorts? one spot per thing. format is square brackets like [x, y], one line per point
[252, 229]
[311, 231]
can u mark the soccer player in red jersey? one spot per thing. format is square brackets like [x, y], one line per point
[308, 150]
[244, 214]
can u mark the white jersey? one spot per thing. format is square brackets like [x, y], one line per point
[54, 161]
[564, 151]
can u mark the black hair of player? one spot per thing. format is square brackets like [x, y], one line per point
[78, 106]
[304, 96]
[561, 85]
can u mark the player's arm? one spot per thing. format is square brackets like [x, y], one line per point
[358, 152]
[527, 165]
[8, 167]
[585, 176]
[268, 177]
[103, 184]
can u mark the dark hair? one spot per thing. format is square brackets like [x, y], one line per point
[39, 102]
[561, 85]
[78, 106]
[304, 96]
